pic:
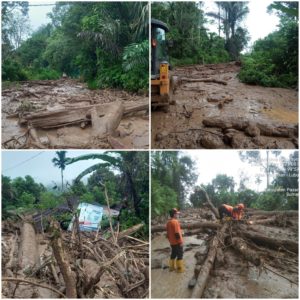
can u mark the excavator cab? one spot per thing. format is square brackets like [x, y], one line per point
[160, 80]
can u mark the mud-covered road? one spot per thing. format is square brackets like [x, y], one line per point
[222, 112]
[235, 277]
[50, 96]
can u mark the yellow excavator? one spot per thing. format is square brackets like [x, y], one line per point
[161, 81]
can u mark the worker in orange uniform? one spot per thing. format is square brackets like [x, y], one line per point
[230, 212]
[174, 236]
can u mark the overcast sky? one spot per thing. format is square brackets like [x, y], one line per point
[210, 163]
[258, 22]
[38, 165]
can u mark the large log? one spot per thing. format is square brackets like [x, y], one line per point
[270, 242]
[106, 119]
[212, 207]
[241, 246]
[73, 115]
[288, 213]
[243, 124]
[210, 225]
[204, 80]
[130, 231]
[209, 262]
[28, 253]
[62, 260]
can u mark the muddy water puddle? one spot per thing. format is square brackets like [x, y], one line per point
[166, 284]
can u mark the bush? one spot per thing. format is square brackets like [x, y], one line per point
[42, 74]
[13, 71]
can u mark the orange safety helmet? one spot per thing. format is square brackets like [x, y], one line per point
[241, 206]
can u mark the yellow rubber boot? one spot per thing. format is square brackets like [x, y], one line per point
[172, 265]
[180, 267]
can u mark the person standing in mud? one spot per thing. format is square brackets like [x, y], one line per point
[174, 235]
[230, 212]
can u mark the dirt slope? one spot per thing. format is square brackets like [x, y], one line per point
[234, 276]
[232, 101]
[50, 96]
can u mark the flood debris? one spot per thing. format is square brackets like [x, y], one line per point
[65, 114]
[224, 113]
[253, 258]
[72, 264]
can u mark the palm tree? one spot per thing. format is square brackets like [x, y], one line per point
[230, 14]
[61, 161]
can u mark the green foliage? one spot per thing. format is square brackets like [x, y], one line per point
[88, 40]
[274, 60]
[126, 177]
[163, 198]
[281, 194]
[48, 200]
[192, 42]
[42, 74]
[13, 71]
[20, 194]
[172, 176]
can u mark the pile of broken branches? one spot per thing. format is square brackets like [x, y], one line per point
[76, 264]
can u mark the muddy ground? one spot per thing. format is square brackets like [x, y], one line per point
[41, 96]
[237, 277]
[229, 101]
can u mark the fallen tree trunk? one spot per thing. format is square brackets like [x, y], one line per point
[212, 207]
[204, 80]
[208, 264]
[28, 255]
[45, 286]
[241, 246]
[74, 115]
[270, 242]
[210, 225]
[106, 119]
[62, 261]
[242, 125]
[288, 213]
[35, 138]
[130, 231]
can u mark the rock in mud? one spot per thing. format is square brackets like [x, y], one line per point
[259, 141]
[240, 141]
[160, 136]
[197, 270]
[252, 130]
[282, 144]
[156, 263]
[211, 141]
[192, 283]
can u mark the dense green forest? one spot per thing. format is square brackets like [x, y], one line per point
[174, 183]
[124, 174]
[272, 61]
[102, 43]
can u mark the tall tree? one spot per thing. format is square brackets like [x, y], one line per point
[60, 161]
[256, 158]
[231, 14]
[174, 175]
